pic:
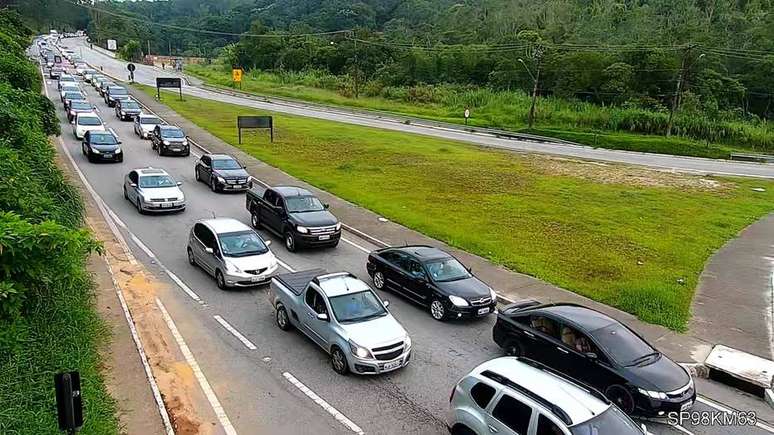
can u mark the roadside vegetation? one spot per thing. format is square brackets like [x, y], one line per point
[626, 128]
[632, 238]
[48, 323]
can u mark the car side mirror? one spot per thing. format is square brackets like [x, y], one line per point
[132, 184]
[322, 316]
[591, 355]
[326, 206]
[386, 303]
[119, 142]
[179, 183]
[209, 251]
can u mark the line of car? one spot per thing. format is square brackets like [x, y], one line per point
[561, 356]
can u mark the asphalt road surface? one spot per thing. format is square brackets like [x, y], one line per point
[252, 384]
[147, 75]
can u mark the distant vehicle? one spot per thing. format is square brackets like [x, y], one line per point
[103, 87]
[599, 351]
[144, 124]
[294, 214]
[50, 64]
[231, 252]
[433, 279]
[55, 72]
[127, 109]
[87, 122]
[96, 80]
[78, 106]
[88, 74]
[222, 172]
[66, 79]
[80, 68]
[153, 190]
[170, 139]
[102, 146]
[72, 96]
[343, 316]
[112, 92]
[512, 396]
[68, 87]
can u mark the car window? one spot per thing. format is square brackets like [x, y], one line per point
[117, 91]
[622, 344]
[172, 132]
[482, 394]
[357, 307]
[204, 235]
[414, 268]
[133, 177]
[448, 269]
[226, 164]
[89, 120]
[268, 196]
[545, 325]
[547, 427]
[154, 181]
[513, 414]
[279, 202]
[206, 160]
[300, 204]
[315, 301]
[577, 341]
[102, 138]
[242, 244]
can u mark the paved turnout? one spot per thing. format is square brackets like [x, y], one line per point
[267, 380]
[147, 75]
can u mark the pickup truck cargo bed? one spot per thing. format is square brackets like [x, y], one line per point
[297, 281]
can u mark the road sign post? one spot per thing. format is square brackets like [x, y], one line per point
[168, 82]
[236, 76]
[255, 122]
[69, 404]
[131, 69]
[467, 115]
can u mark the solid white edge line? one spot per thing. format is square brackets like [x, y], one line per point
[285, 265]
[723, 408]
[341, 418]
[220, 413]
[356, 245]
[248, 344]
[127, 314]
[681, 429]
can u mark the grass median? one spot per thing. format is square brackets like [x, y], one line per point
[632, 238]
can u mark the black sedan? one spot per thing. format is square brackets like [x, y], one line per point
[222, 173]
[432, 278]
[599, 351]
[102, 146]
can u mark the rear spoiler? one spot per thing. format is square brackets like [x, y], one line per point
[519, 305]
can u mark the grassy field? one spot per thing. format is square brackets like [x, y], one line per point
[631, 238]
[578, 122]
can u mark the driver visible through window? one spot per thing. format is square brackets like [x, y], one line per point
[447, 270]
[241, 244]
[303, 204]
[357, 307]
[151, 181]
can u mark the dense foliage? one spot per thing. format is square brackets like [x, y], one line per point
[47, 321]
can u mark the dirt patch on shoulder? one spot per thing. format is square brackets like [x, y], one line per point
[611, 173]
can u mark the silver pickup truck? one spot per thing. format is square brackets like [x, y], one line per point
[343, 316]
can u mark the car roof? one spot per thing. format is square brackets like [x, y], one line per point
[221, 157]
[87, 115]
[587, 319]
[423, 253]
[150, 171]
[225, 225]
[291, 191]
[579, 404]
[340, 283]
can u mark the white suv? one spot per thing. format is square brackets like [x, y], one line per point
[517, 396]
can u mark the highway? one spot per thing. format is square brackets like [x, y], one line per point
[249, 362]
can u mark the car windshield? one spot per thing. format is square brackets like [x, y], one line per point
[357, 307]
[74, 96]
[448, 269]
[611, 422]
[149, 120]
[623, 345]
[70, 88]
[103, 139]
[172, 132]
[153, 181]
[89, 120]
[80, 105]
[67, 79]
[242, 244]
[105, 85]
[303, 204]
[225, 164]
[130, 105]
[117, 91]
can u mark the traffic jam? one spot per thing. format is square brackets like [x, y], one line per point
[564, 369]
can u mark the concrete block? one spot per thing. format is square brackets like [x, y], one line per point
[742, 365]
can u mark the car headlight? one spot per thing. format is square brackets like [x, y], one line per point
[123, 113]
[221, 180]
[492, 294]
[117, 151]
[185, 142]
[408, 342]
[302, 230]
[233, 267]
[359, 351]
[653, 394]
[166, 142]
[458, 301]
[95, 151]
[338, 226]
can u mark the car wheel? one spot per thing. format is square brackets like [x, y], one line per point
[159, 151]
[513, 348]
[196, 174]
[290, 242]
[213, 186]
[619, 395]
[139, 207]
[220, 280]
[339, 361]
[126, 196]
[378, 280]
[461, 429]
[437, 310]
[191, 259]
[281, 316]
[255, 220]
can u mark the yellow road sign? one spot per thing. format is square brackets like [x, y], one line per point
[236, 74]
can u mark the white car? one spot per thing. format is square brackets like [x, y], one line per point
[153, 190]
[144, 124]
[66, 79]
[68, 87]
[80, 68]
[87, 121]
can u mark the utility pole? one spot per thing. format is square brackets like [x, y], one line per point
[535, 86]
[357, 67]
[684, 66]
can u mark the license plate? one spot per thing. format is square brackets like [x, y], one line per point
[686, 406]
[392, 365]
[324, 237]
[108, 156]
[483, 311]
[255, 278]
[164, 205]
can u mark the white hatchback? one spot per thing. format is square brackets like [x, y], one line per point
[87, 121]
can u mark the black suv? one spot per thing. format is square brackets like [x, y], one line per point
[599, 351]
[169, 139]
[222, 173]
[127, 109]
[102, 145]
[432, 278]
